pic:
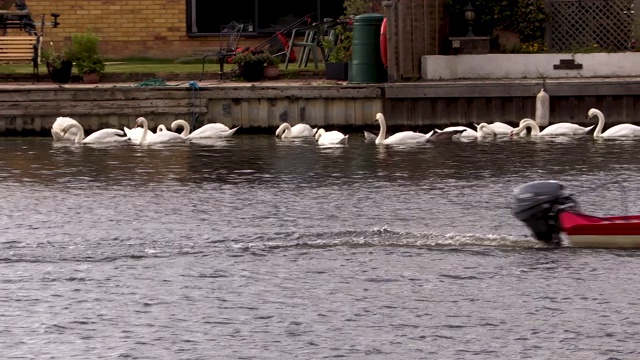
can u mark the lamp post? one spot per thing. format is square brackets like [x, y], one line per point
[469, 14]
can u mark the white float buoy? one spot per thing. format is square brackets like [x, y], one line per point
[542, 108]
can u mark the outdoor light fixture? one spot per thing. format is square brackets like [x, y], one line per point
[469, 14]
[55, 22]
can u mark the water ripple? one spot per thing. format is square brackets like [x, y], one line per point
[253, 248]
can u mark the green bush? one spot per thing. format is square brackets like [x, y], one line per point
[85, 54]
[525, 17]
[83, 45]
[358, 7]
[340, 52]
[268, 59]
[244, 57]
[90, 64]
[51, 56]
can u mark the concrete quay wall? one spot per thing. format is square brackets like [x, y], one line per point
[261, 107]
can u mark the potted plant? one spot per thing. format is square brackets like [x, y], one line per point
[91, 67]
[250, 66]
[338, 54]
[85, 54]
[271, 68]
[59, 64]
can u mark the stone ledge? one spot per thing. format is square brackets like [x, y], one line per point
[529, 66]
[470, 45]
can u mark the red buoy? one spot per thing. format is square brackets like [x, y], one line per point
[383, 41]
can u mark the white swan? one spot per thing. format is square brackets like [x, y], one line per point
[300, 130]
[160, 128]
[331, 137]
[100, 136]
[401, 138]
[368, 136]
[214, 130]
[467, 133]
[498, 128]
[621, 130]
[186, 128]
[58, 126]
[135, 133]
[159, 137]
[559, 129]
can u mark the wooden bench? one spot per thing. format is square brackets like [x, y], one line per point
[20, 49]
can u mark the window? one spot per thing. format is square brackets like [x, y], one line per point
[263, 16]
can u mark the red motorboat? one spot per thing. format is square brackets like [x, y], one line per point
[554, 218]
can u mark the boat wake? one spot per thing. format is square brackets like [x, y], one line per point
[384, 237]
[108, 249]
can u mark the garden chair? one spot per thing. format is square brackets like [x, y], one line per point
[311, 42]
[229, 38]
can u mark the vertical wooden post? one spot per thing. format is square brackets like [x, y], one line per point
[635, 26]
[391, 12]
[437, 27]
[547, 25]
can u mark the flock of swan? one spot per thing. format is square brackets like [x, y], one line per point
[65, 128]
[484, 130]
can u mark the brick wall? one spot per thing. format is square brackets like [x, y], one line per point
[142, 28]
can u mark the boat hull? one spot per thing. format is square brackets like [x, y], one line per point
[581, 230]
[604, 241]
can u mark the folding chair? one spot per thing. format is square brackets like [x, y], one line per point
[311, 43]
[229, 38]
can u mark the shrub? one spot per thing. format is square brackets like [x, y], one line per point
[85, 54]
[525, 17]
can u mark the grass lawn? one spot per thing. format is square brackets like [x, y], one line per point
[146, 66]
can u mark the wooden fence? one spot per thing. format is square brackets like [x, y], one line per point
[590, 25]
[414, 28]
[419, 27]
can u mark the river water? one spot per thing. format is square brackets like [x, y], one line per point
[254, 248]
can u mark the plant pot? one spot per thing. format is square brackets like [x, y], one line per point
[91, 78]
[252, 70]
[271, 72]
[507, 40]
[60, 74]
[337, 71]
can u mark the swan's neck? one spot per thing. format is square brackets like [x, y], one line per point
[145, 129]
[480, 130]
[80, 135]
[598, 131]
[287, 130]
[383, 131]
[535, 129]
[185, 125]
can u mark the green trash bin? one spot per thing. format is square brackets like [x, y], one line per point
[366, 64]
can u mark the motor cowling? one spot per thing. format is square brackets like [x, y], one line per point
[538, 203]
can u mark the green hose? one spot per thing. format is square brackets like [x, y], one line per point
[153, 82]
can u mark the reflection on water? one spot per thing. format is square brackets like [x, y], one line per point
[429, 183]
[252, 247]
[34, 159]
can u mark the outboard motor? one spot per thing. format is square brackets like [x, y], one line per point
[537, 204]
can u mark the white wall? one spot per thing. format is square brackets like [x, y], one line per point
[528, 66]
